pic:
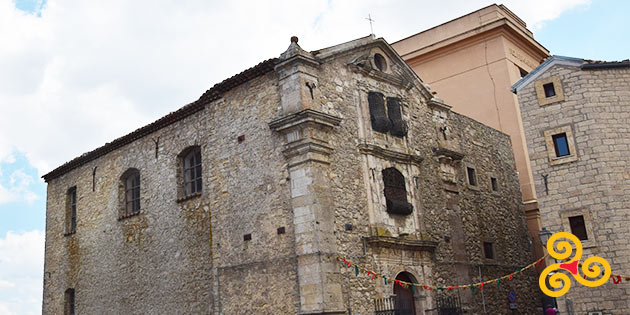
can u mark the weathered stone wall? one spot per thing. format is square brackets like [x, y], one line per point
[596, 108]
[304, 174]
[458, 221]
[168, 258]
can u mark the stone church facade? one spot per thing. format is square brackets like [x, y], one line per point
[242, 201]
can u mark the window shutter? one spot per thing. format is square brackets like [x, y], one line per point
[378, 117]
[395, 192]
[399, 127]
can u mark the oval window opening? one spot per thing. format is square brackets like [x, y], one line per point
[379, 62]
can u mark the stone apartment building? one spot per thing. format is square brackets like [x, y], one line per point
[576, 114]
[472, 62]
[242, 201]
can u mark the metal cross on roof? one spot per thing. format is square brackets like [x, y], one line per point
[369, 18]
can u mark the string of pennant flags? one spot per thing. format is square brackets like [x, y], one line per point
[617, 278]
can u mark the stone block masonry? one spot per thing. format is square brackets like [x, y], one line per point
[588, 184]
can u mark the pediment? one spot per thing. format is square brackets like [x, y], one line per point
[361, 56]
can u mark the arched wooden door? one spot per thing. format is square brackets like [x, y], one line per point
[405, 303]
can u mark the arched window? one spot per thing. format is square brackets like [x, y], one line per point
[131, 183]
[395, 192]
[191, 171]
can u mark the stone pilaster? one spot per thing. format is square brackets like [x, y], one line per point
[307, 151]
[306, 131]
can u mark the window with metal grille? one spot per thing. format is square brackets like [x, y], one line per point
[71, 210]
[378, 116]
[68, 308]
[386, 117]
[132, 192]
[578, 228]
[399, 127]
[560, 144]
[395, 192]
[192, 171]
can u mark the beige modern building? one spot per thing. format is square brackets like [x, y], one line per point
[576, 115]
[471, 62]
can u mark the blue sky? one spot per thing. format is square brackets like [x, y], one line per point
[70, 68]
[598, 31]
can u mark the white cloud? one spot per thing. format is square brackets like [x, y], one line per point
[87, 72]
[21, 270]
[18, 188]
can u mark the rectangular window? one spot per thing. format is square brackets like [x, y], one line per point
[378, 115]
[472, 179]
[488, 250]
[560, 144]
[192, 172]
[132, 193]
[578, 228]
[495, 185]
[71, 210]
[550, 91]
[68, 308]
[399, 127]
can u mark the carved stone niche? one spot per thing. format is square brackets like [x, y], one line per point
[449, 164]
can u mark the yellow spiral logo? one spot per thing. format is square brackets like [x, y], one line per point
[559, 281]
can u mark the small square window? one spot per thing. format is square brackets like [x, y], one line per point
[494, 184]
[488, 250]
[560, 144]
[550, 91]
[472, 179]
[578, 228]
[247, 237]
[281, 230]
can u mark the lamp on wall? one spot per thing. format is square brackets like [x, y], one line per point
[544, 236]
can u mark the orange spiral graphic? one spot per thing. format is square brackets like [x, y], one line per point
[560, 282]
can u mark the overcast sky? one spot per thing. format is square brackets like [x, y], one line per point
[77, 74]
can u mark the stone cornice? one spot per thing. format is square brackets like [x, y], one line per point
[388, 154]
[439, 104]
[309, 150]
[298, 58]
[440, 152]
[307, 116]
[383, 77]
[401, 243]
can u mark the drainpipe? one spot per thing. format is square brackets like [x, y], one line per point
[483, 299]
